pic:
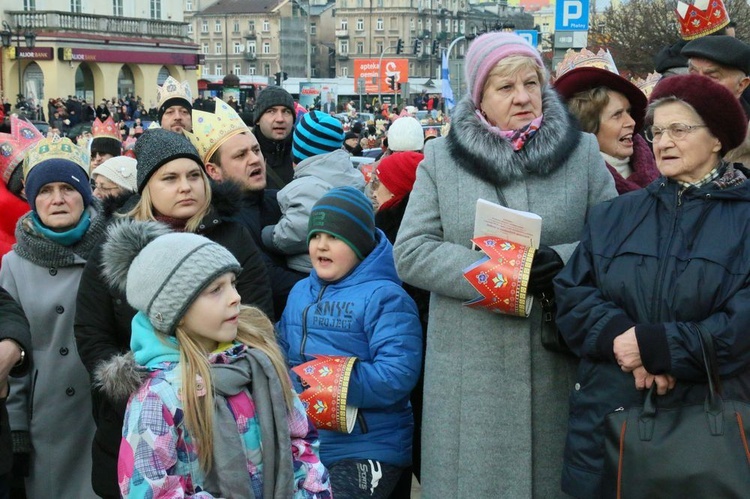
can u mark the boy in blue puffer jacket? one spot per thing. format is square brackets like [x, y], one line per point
[353, 305]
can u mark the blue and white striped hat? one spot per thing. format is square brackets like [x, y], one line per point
[316, 133]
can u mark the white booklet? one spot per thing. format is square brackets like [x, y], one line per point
[516, 226]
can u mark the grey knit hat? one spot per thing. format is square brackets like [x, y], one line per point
[158, 146]
[272, 96]
[162, 272]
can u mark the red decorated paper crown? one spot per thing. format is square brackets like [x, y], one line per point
[702, 18]
[326, 383]
[14, 145]
[105, 129]
[647, 85]
[501, 277]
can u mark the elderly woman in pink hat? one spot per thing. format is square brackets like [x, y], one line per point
[495, 399]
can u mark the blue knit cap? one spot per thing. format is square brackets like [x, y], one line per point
[316, 133]
[57, 170]
[347, 214]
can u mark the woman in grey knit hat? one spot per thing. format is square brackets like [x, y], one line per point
[172, 188]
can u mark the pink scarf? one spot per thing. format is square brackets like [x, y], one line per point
[517, 138]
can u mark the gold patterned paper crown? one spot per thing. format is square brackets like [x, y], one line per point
[647, 85]
[14, 145]
[105, 129]
[586, 59]
[173, 89]
[702, 18]
[211, 130]
[55, 148]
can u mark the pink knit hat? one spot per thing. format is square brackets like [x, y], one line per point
[489, 49]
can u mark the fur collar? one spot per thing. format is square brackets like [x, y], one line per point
[492, 159]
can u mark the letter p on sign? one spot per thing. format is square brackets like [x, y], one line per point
[572, 15]
[572, 11]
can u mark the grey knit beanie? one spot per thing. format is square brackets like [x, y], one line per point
[162, 272]
[272, 96]
[158, 146]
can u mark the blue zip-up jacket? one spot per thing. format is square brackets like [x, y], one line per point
[367, 315]
[667, 261]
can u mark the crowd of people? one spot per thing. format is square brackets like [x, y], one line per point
[224, 304]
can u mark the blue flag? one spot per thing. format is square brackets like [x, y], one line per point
[445, 76]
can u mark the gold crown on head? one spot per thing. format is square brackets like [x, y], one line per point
[211, 130]
[55, 148]
[586, 59]
[647, 84]
[14, 145]
[105, 129]
[702, 18]
[173, 89]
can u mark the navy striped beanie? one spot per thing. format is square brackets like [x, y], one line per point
[316, 133]
[345, 213]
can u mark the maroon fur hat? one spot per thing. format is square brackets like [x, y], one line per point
[717, 106]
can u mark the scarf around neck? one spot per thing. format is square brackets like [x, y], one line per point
[68, 237]
[229, 477]
[517, 138]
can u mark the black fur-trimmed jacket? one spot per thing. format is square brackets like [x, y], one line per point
[103, 317]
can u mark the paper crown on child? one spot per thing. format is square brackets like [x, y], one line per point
[501, 277]
[701, 18]
[211, 130]
[14, 145]
[173, 89]
[646, 85]
[105, 129]
[586, 58]
[325, 383]
[55, 148]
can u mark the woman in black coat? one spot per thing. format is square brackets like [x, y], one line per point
[173, 189]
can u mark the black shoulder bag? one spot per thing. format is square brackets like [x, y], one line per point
[689, 451]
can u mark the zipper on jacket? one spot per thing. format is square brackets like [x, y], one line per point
[31, 398]
[663, 258]
[361, 419]
[304, 321]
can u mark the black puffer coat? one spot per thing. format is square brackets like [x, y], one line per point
[103, 317]
[666, 262]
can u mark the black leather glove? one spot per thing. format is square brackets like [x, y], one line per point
[545, 266]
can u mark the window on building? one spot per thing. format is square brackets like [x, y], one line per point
[379, 24]
[155, 9]
[360, 47]
[266, 70]
[251, 26]
[379, 47]
[251, 47]
[411, 24]
[314, 49]
[429, 25]
[455, 25]
[314, 72]
[204, 70]
[462, 24]
[75, 6]
[237, 68]
[237, 48]
[251, 70]
[266, 25]
[344, 47]
[29, 4]
[190, 28]
[219, 49]
[204, 48]
[380, 4]
[189, 5]
[360, 24]
[219, 70]
[266, 47]
[360, 4]
[344, 71]
[117, 8]
[439, 25]
[204, 26]
[217, 26]
[236, 27]
[344, 24]
[419, 26]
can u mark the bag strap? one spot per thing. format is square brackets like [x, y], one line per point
[714, 404]
[275, 177]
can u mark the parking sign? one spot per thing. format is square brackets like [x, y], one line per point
[530, 35]
[572, 15]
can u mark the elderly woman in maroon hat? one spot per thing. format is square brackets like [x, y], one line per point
[655, 267]
[612, 108]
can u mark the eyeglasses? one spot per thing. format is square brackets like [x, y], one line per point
[677, 131]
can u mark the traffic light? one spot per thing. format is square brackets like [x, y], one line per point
[399, 46]
[279, 77]
[392, 82]
[435, 46]
[417, 46]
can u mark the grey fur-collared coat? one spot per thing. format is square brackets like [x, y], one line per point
[495, 402]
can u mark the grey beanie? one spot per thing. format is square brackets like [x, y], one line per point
[272, 96]
[162, 272]
[158, 146]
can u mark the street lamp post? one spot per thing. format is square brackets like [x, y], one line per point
[7, 35]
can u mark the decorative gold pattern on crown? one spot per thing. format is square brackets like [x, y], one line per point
[586, 59]
[173, 89]
[210, 130]
[106, 129]
[55, 148]
[647, 85]
[702, 18]
[13, 145]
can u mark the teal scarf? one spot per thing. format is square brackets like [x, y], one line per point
[67, 238]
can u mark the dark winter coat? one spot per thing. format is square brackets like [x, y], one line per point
[14, 326]
[103, 320]
[278, 156]
[666, 263]
[642, 163]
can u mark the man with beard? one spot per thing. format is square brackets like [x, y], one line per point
[175, 105]
[274, 121]
[234, 160]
